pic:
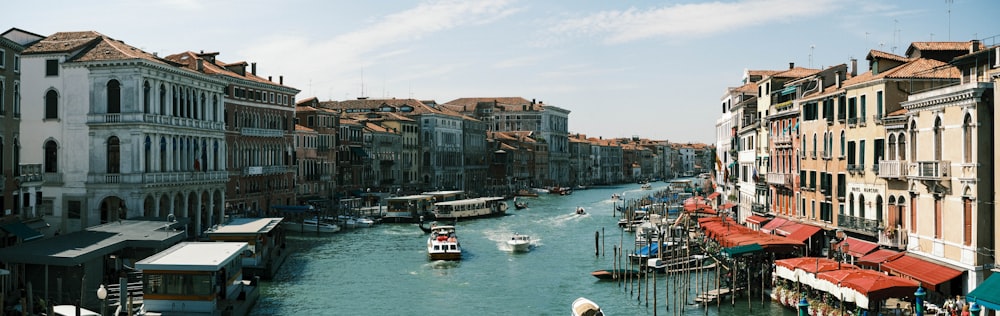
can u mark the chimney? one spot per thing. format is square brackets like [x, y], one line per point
[532, 101]
[791, 65]
[201, 65]
[281, 80]
[819, 87]
[974, 46]
[269, 78]
[836, 76]
[854, 67]
[253, 68]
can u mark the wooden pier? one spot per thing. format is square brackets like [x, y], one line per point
[714, 294]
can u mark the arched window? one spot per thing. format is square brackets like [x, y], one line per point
[114, 155]
[861, 205]
[146, 97]
[163, 99]
[814, 146]
[843, 144]
[913, 140]
[114, 96]
[967, 138]
[147, 155]
[938, 130]
[878, 209]
[51, 156]
[51, 105]
[892, 147]
[902, 146]
[850, 204]
[163, 154]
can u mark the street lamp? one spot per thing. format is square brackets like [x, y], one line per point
[102, 294]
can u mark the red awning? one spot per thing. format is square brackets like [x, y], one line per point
[774, 223]
[757, 219]
[804, 232]
[857, 247]
[928, 273]
[726, 206]
[878, 257]
[713, 195]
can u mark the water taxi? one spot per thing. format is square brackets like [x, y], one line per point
[470, 208]
[519, 243]
[443, 244]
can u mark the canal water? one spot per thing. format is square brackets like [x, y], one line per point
[384, 270]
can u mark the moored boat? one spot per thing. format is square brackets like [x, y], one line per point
[646, 186]
[585, 307]
[611, 274]
[526, 192]
[310, 225]
[519, 243]
[580, 211]
[443, 244]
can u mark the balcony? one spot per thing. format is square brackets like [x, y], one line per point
[780, 179]
[877, 119]
[893, 238]
[851, 122]
[782, 140]
[826, 155]
[52, 178]
[758, 208]
[930, 170]
[157, 178]
[30, 175]
[114, 118]
[262, 132]
[968, 172]
[262, 170]
[859, 224]
[875, 169]
[861, 121]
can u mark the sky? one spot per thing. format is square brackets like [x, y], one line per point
[653, 69]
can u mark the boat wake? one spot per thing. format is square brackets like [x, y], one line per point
[442, 264]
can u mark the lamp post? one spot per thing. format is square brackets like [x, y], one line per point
[803, 306]
[102, 294]
[919, 294]
[974, 309]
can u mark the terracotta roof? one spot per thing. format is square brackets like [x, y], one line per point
[471, 102]
[89, 46]
[797, 72]
[924, 68]
[303, 128]
[883, 55]
[762, 73]
[897, 112]
[189, 59]
[955, 46]
[378, 128]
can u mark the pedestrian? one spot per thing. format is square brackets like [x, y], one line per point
[899, 310]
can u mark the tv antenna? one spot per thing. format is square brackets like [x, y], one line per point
[949, 2]
[811, 49]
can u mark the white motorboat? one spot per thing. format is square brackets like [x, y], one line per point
[443, 244]
[519, 243]
[580, 211]
[585, 307]
[310, 225]
[646, 186]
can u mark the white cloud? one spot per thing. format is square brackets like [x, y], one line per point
[687, 20]
[344, 55]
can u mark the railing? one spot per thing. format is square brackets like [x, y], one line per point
[112, 118]
[758, 208]
[861, 121]
[857, 223]
[875, 169]
[782, 140]
[780, 179]
[891, 169]
[968, 171]
[260, 170]
[826, 154]
[851, 122]
[261, 132]
[157, 178]
[52, 178]
[877, 119]
[892, 238]
[930, 170]
[29, 174]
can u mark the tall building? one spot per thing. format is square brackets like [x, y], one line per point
[12, 43]
[121, 133]
[259, 118]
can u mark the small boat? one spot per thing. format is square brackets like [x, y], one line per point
[443, 244]
[540, 190]
[520, 204]
[611, 274]
[580, 211]
[660, 265]
[561, 190]
[310, 225]
[585, 307]
[519, 243]
[615, 196]
[526, 192]
[646, 186]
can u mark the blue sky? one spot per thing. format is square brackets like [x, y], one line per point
[654, 69]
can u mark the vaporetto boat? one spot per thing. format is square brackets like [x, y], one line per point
[443, 243]
[470, 208]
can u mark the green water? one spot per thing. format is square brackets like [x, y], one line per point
[384, 270]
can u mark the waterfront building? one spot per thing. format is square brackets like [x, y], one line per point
[383, 146]
[352, 159]
[20, 184]
[516, 152]
[259, 128]
[777, 98]
[474, 154]
[609, 160]
[948, 227]
[738, 164]
[503, 114]
[406, 150]
[316, 165]
[150, 133]
[581, 161]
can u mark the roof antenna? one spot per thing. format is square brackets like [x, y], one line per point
[949, 2]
